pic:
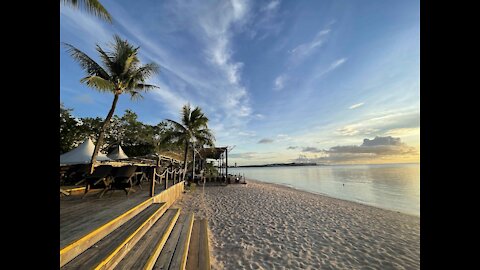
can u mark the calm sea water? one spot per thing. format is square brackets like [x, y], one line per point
[389, 186]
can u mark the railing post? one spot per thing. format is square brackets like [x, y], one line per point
[166, 179]
[152, 185]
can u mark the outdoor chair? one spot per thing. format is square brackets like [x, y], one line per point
[123, 179]
[100, 178]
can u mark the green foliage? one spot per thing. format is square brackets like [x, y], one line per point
[70, 135]
[135, 137]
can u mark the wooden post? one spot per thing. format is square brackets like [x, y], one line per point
[152, 185]
[166, 179]
[226, 161]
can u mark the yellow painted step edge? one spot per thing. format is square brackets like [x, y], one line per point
[158, 248]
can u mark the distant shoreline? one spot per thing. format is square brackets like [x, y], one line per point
[316, 164]
[280, 165]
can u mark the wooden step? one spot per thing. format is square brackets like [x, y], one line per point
[106, 253]
[145, 253]
[198, 252]
[86, 241]
[174, 254]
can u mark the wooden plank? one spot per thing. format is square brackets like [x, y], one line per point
[122, 250]
[193, 249]
[82, 244]
[158, 248]
[104, 248]
[165, 257]
[181, 252]
[204, 253]
[79, 217]
[152, 241]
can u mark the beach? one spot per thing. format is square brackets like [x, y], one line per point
[268, 226]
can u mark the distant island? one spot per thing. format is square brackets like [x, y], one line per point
[279, 165]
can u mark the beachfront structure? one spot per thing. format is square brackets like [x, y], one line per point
[217, 153]
[117, 153]
[82, 154]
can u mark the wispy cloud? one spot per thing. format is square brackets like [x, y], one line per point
[265, 22]
[271, 5]
[301, 51]
[356, 106]
[279, 82]
[292, 147]
[265, 140]
[247, 133]
[381, 124]
[85, 99]
[334, 65]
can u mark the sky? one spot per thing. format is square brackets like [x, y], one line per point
[334, 82]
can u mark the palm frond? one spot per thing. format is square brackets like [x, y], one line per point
[135, 95]
[99, 83]
[145, 87]
[88, 64]
[92, 6]
[176, 125]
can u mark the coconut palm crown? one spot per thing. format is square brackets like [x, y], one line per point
[192, 129]
[121, 73]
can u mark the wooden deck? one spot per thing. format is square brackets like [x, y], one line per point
[135, 232]
[80, 216]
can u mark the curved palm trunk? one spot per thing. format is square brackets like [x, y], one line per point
[102, 132]
[185, 161]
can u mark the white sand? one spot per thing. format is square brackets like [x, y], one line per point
[266, 226]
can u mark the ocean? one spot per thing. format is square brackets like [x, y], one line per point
[389, 186]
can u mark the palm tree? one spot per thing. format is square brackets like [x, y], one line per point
[122, 73]
[92, 6]
[193, 129]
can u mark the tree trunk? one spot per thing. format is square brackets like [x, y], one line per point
[185, 161]
[102, 132]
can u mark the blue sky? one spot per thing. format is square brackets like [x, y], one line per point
[281, 80]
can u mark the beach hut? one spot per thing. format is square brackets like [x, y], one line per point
[117, 153]
[82, 154]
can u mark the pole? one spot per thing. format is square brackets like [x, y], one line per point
[193, 166]
[226, 162]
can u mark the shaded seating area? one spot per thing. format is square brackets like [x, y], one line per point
[100, 178]
[124, 179]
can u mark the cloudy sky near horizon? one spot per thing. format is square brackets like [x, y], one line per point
[326, 81]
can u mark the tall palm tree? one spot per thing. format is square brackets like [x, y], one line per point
[192, 129]
[121, 73]
[92, 6]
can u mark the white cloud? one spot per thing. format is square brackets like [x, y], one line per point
[271, 6]
[279, 82]
[247, 133]
[382, 124]
[303, 50]
[356, 106]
